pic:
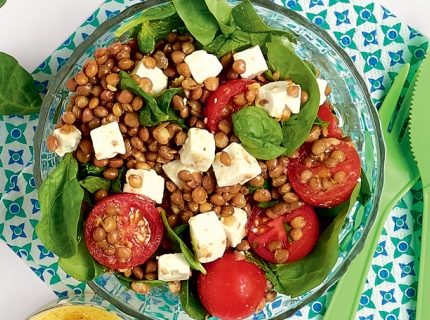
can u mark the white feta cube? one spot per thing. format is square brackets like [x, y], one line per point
[68, 138]
[172, 168]
[173, 267]
[208, 236]
[234, 226]
[322, 85]
[243, 166]
[203, 65]
[254, 61]
[273, 97]
[107, 141]
[198, 150]
[152, 184]
[156, 75]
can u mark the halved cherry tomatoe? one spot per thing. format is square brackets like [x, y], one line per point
[231, 289]
[123, 230]
[285, 238]
[325, 114]
[325, 172]
[219, 99]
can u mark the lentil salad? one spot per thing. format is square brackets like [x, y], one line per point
[150, 147]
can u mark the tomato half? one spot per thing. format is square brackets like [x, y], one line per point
[326, 115]
[231, 289]
[123, 230]
[328, 183]
[265, 234]
[219, 99]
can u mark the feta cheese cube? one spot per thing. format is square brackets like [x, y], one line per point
[156, 75]
[173, 267]
[273, 97]
[152, 184]
[107, 141]
[254, 61]
[198, 150]
[243, 166]
[172, 168]
[208, 236]
[203, 65]
[68, 138]
[234, 226]
[322, 85]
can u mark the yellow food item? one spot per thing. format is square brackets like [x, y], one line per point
[76, 313]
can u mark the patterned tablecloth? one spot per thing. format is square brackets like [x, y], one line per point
[376, 40]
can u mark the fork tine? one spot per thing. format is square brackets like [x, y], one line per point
[403, 113]
[385, 112]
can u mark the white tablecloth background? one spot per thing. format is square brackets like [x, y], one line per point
[30, 31]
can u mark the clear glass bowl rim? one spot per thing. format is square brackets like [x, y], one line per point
[138, 7]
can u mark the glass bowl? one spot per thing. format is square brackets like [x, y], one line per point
[353, 105]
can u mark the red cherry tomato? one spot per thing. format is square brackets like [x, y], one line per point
[231, 289]
[331, 182]
[262, 231]
[326, 115]
[219, 99]
[123, 231]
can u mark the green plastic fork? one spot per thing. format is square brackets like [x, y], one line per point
[401, 173]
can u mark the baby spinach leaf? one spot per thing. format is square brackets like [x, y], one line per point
[18, 94]
[82, 266]
[188, 254]
[60, 198]
[267, 204]
[165, 103]
[116, 186]
[88, 169]
[154, 13]
[259, 133]
[2, 2]
[198, 19]
[296, 129]
[128, 280]
[190, 301]
[300, 276]
[92, 184]
[179, 229]
[247, 18]
[221, 10]
[150, 113]
[153, 30]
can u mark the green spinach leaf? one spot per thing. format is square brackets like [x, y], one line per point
[2, 2]
[190, 301]
[259, 133]
[265, 185]
[153, 30]
[159, 12]
[165, 103]
[116, 186]
[296, 129]
[18, 94]
[300, 276]
[82, 266]
[127, 281]
[221, 10]
[92, 184]
[60, 198]
[88, 169]
[198, 20]
[188, 254]
[247, 19]
[267, 204]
